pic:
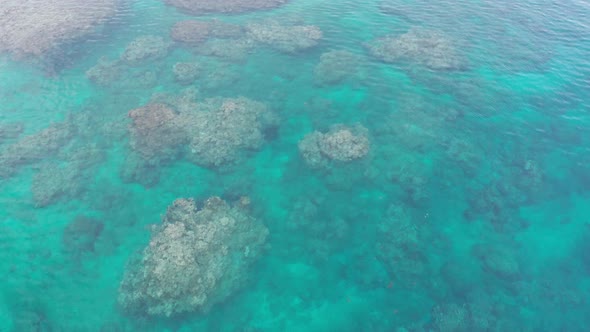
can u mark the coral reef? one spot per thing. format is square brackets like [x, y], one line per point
[195, 32]
[195, 259]
[105, 72]
[499, 261]
[340, 144]
[119, 74]
[335, 66]
[157, 137]
[145, 48]
[190, 31]
[52, 181]
[55, 181]
[218, 133]
[451, 318]
[282, 37]
[186, 72]
[197, 7]
[221, 130]
[399, 245]
[34, 148]
[499, 201]
[227, 49]
[10, 131]
[35, 27]
[429, 48]
[155, 132]
[136, 169]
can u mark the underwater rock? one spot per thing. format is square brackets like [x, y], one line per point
[340, 144]
[429, 48]
[186, 72]
[221, 130]
[196, 258]
[36, 27]
[145, 48]
[284, 38]
[196, 7]
[335, 66]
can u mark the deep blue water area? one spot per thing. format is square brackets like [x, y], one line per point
[300, 165]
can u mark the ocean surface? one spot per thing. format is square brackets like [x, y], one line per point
[300, 165]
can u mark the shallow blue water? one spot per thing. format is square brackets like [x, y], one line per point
[417, 166]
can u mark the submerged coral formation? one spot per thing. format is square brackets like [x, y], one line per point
[214, 133]
[197, 7]
[190, 31]
[155, 131]
[405, 188]
[221, 130]
[195, 32]
[53, 181]
[34, 148]
[34, 27]
[283, 37]
[429, 48]
[10, 131]
[186, 72]
[335, 66]
[195, 259]
[340, 144]
[145, 48]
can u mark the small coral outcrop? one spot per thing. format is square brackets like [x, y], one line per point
[340, 144]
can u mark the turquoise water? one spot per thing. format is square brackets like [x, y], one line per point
[384, 165]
